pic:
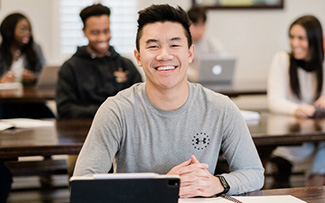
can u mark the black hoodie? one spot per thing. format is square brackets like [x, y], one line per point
[86, 81]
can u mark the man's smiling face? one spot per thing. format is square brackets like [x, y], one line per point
[97, 30]
[164, 54]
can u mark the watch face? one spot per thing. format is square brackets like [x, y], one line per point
[224, 184]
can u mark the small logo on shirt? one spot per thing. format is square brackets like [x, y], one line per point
[200, 141]
[120, 75]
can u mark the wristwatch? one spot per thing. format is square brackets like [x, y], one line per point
[224, 184]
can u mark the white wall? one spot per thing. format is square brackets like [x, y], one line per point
[252, 35]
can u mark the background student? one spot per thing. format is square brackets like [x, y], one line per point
[94, 72]
[21, 60]
[203, 44]
[168, 125]
[296, 87]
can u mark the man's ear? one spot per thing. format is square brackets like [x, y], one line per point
[137, 57]
[191, 53]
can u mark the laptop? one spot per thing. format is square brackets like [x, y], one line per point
[125, 187]
[48, 76]
[214, 69]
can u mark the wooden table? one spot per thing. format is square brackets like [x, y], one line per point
[308, 194]
[274, 130]
[40, 95]
[67, 136]
[27, 95]
[277, 130]
[238, 88]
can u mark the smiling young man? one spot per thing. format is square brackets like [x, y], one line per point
[168, 125]
[94, 72]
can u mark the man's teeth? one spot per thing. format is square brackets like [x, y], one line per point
[166, 68]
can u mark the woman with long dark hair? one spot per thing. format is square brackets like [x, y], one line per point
[21, 60]
[296, 87]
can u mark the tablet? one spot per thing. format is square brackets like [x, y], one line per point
[125, 187]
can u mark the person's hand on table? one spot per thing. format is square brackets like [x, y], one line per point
[320, 102]
[196, 180]
[28, 76]
[9, 76]
[305, 111]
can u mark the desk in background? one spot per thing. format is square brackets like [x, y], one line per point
[239, 88]
[27, 95]
[273, 130]
[38, 95]
[67, 136]
[64, 137]
[283, 130]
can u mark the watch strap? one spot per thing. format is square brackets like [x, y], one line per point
[224, 184]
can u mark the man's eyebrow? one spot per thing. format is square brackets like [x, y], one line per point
[175, 39]
[151, 41]
[155, 40]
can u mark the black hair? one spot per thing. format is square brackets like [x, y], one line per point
[197, 14]
[316, 54]
[7, 29]
[93, 10]
[163, 13]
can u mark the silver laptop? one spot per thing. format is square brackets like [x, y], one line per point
[48, 76]
[214, 69]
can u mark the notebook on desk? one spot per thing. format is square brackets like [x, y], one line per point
[214, 69]
[48, 76]
[128, 187]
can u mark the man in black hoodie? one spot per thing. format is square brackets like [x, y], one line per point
[94, 72]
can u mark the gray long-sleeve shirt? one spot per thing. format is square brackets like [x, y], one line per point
[145, 138]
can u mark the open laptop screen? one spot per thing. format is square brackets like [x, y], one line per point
[214, 69]
[48, 76]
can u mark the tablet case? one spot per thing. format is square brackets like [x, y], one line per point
[144, 190]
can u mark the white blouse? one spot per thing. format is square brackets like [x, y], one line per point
[17, 67]
[280, 97]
